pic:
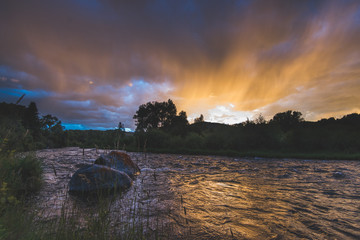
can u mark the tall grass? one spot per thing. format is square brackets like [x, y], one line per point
[89, 218]
[80, 218]
[22, 175]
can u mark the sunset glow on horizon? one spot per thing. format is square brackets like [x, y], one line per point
[92, 63]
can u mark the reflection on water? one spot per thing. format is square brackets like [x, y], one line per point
[203, 197]
[262, 199]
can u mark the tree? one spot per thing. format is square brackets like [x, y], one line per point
[288, 119]
[181, 119]
[351, 119]
[180, 123]
[120, 134]
[248, 123]
[49, 122]
[199, 119]
[31, 119]
[121, 126]
[52, 130]
[155, 115]
[260, 119]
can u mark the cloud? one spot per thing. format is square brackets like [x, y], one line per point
[203, 54]
[103, 107]
[314, 103]
[227, 114]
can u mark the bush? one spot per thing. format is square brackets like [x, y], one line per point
[157, 138]
[21, 174]
[14, 136]
[176, 142]
[194, 141]
[216, 141]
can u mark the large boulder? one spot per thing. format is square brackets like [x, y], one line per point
[119, 161]
[95, 178]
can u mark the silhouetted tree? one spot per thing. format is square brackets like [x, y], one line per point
[288, 119]
[155, 115]
[260, 119]
[353, 119]
[120, 133]
[52, 130]
[182, 118]
[199, 119]
[247, 123]
[49, 122]
[326, 121]
[31, 120]
[121, 126]
[179, 124]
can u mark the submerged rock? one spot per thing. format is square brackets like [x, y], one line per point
[93, 178]
[119, 161]
[286, 175]
[339, 175]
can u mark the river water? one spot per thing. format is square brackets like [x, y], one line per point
[212, 197]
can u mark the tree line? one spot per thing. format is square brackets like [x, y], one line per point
[286, 133]
[22, 128]
[161, 128]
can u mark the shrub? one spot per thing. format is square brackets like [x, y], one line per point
[14, 136]
[194, 141]
[176, 142]
[23, 174]
[157, 138]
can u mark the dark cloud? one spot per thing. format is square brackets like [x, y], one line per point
[101, 59]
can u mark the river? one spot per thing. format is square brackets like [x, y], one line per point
[212, 197]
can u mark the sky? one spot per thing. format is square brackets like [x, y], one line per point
[92, 63]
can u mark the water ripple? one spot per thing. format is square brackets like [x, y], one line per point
[206, 197]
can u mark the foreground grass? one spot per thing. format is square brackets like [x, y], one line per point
[21, 177]
[96, 222]
[20, 222]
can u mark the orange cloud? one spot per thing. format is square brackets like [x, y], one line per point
[267, 56]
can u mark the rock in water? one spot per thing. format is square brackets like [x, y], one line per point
[93, 178]
[339, 175]
[119, 161]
